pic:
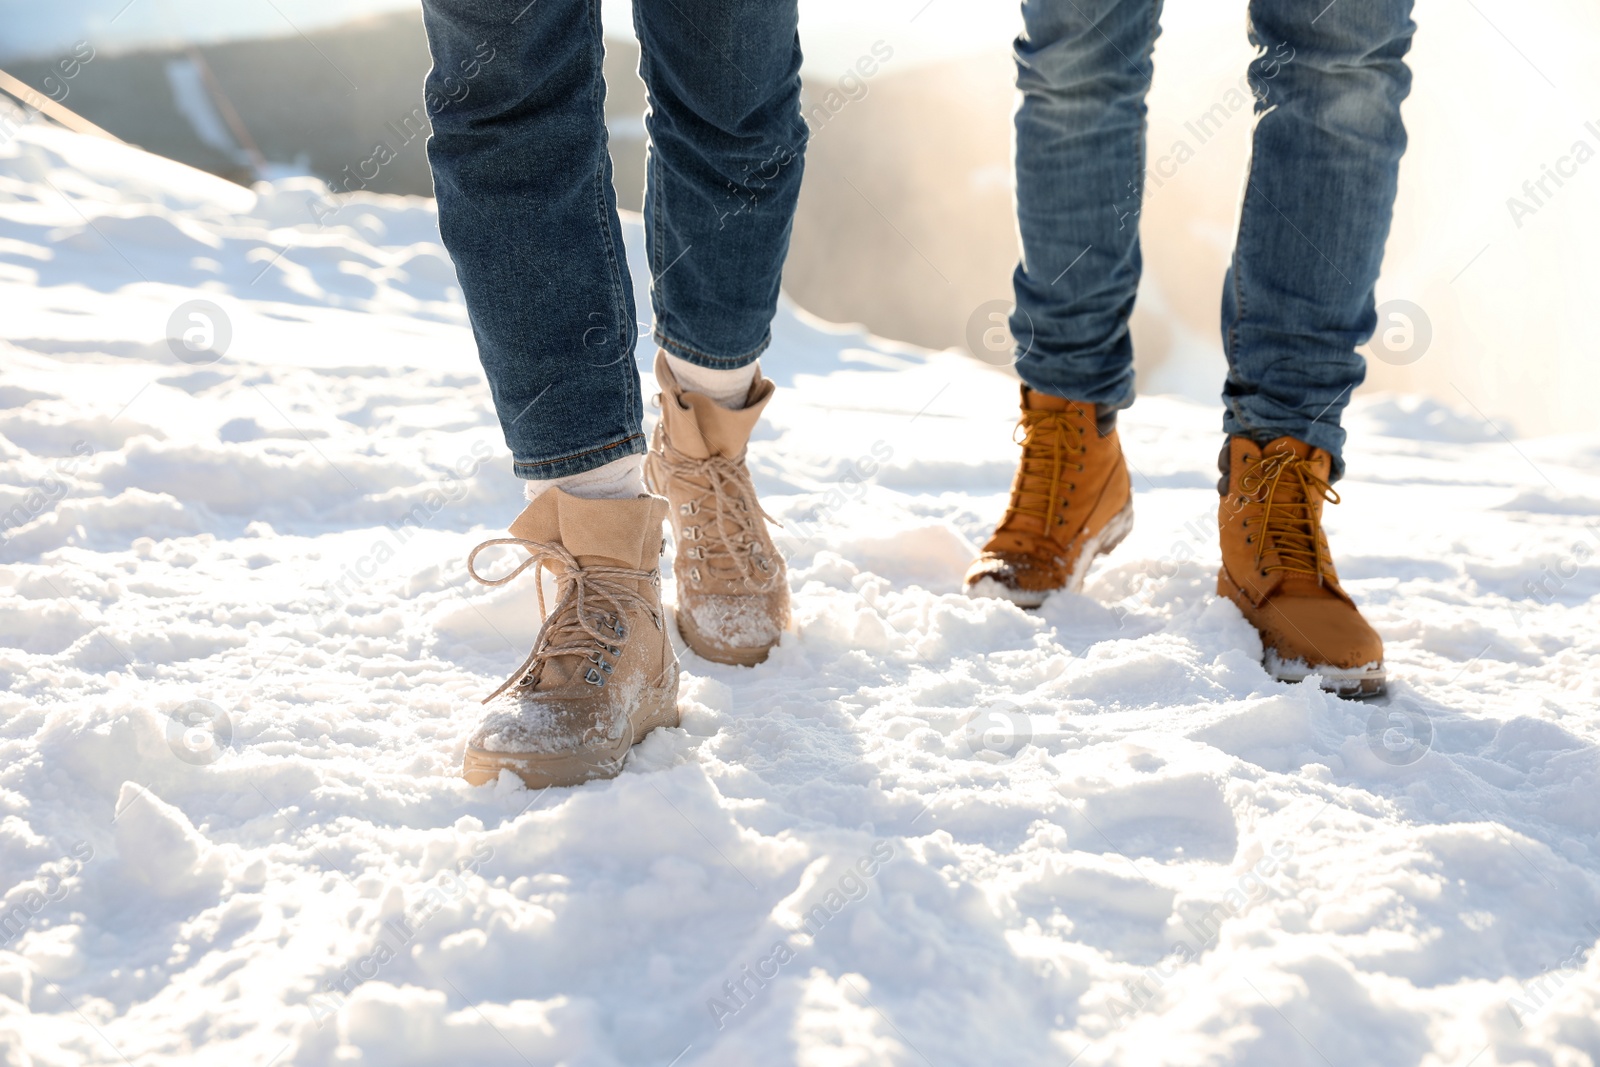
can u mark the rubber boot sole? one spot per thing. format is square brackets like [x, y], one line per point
[1351, 683]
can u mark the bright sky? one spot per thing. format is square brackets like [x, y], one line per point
[836, 32]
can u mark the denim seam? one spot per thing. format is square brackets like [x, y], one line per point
[654, 185]
[1151, 34]
[1240, 244]
[519, 467]
[1238, 266]
[1142, 134]
[657, 219]
[602, 214]
[706, 359]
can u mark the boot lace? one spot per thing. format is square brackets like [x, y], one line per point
[736, 552]
[1050, 440]
[1290, 492]
[580, 624]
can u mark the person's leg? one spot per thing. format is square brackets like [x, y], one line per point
[727, 147]
[727, 143]
[1297, 301]
[1324, 164]
[1083, 68]
[528, 214]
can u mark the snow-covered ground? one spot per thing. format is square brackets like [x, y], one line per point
[240, 658]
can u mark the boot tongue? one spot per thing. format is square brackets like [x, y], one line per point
[1289, 491]
[1037, 401]
[1036, 484]
[713, 430]
[698, 426]
[1288, 446]
[617, 533]
[599, 533]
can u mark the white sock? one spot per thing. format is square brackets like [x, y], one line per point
[729, 388]
[621, 479]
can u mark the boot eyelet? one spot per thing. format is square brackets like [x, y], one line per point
[594, 677]
[694, 573]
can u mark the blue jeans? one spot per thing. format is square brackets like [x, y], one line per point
[528, 213]
[1298, 296]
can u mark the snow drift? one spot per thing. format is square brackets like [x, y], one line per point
[240, 657]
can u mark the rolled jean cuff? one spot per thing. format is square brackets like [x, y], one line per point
[579, 462]
[1326, 435]
[690, 354]
[1112, 394]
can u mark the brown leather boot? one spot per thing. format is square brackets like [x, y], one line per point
[733, 588]
[1071, 501]
[1277, 567]
[602, 673]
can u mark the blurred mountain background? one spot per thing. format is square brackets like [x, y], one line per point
[905, 220]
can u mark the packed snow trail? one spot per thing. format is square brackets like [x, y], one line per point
[241, 657]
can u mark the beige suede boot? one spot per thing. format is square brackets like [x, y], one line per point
[733, 588]
[602, 673]
[1277, 567]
